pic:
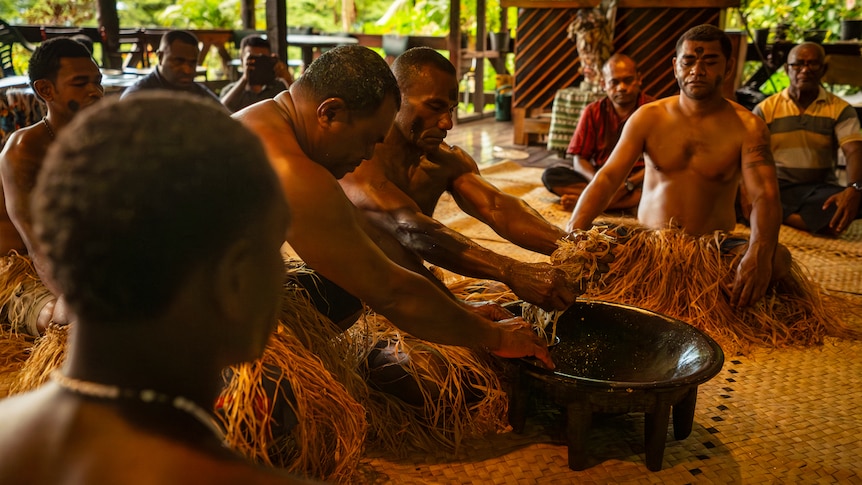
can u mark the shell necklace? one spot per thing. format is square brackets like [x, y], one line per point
[147, 396]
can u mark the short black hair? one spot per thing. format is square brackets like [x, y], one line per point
[353, 73]
[45, 61]
[707, 33]
[408, 65]
[183, 36]
[130, 201]
[86, 40]
[254, 40]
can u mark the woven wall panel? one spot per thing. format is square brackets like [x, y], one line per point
[546, 61]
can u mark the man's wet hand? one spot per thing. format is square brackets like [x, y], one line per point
[519, 340]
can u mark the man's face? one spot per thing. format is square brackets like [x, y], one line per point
[622, 83]
[352, 141]
[78, 84]
[427, 107]
[700, 68]
[178, 63]
[805, 67]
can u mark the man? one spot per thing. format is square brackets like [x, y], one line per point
[598, 132]
[322, 128]
[808, 125]
[399, 187]
[65, 77]
[246, 91]
[699, 145]
[178, 62]
[169, 290]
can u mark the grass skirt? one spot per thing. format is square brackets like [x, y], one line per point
[686, 277]
[321, 373]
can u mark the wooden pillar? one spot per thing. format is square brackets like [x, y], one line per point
[454, 41]
[478, 96]
[109, 30]
[276, 27]
[248, 19]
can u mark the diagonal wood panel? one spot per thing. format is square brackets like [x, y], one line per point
[546, 61]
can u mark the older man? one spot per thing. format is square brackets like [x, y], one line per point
[322, 128]
[808, 126]
[598, 131]
[177, 68]
[699, 146]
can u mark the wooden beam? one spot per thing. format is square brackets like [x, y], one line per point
[276, 27]
[109, 30]
[247, 12]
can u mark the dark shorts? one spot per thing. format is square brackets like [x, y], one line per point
[329, 299]
[807, 200]
[560, 176]
[729, 243]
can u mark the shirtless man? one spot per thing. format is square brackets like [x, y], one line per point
[322, 128]
[65, 77]
[699, 145]
[168, 291]
[399, 187]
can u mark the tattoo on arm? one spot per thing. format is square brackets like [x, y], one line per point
[760, 155]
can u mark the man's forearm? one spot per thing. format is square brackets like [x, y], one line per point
[522, 225]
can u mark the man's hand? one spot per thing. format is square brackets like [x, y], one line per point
[751, 280]
[519, 340]
[847, 204]
[488, 309]
[542, 284]
[282, 72]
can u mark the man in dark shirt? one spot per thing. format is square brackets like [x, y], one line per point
[246, 91]
[178, 61]
[598, 131]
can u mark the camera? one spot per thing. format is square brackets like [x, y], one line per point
[263, 71]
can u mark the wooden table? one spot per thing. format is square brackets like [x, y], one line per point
[310, 42]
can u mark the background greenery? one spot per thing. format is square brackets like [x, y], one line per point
[414, 17]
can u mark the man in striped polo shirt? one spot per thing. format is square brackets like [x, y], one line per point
[808, 125]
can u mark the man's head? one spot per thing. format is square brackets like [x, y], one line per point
[178, 57]
[703, 60]
[251, 49]
[63, 74]
[429, 95]
[254, 45]
[622, 80]
[806, 65]
[354, 97]
[135, 211]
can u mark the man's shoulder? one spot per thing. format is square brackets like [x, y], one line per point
[24, 146]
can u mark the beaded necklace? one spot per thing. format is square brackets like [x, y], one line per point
[147, 396]
[48, 126]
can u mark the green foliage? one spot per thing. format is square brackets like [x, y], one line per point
[202, 14]
[424, 17]
[798, 16]
[143, 13]
[60, 12]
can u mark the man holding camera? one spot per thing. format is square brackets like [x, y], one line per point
[263, 75]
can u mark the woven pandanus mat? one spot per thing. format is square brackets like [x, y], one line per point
[776, 416]
[848, 244]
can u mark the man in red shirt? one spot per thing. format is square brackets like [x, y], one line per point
[598, 131]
